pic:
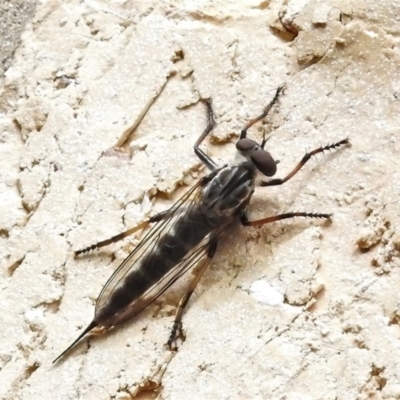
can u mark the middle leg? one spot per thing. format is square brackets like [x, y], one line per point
[279, 217]
[155, 218]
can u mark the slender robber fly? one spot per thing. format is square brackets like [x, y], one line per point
[187, 234]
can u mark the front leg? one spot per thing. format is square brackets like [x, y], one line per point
[204, 158]
[306, 157]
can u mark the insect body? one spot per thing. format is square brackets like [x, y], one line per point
[187, 234]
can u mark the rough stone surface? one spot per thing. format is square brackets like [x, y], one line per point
[99, 112]
[14, 15]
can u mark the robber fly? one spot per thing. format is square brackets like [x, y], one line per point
[187, 234]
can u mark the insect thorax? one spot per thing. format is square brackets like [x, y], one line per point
[229, 191]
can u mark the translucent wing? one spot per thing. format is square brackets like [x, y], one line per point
[133, 263]
[191, 260]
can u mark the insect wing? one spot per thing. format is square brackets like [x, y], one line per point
[139, 304]
[149, 244]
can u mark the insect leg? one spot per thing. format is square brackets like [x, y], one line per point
[158, 217]
[177, 326]
[205, 159]
[267, 109]
[279, 217]
[307, 156]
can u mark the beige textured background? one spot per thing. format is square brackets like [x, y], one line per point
[298, 310]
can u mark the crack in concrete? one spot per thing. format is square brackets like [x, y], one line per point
[288, 327]
[126, 135]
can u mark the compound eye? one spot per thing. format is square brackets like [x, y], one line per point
[264, 162]
[245, 145]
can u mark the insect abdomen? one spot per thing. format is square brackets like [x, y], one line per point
[188, 231]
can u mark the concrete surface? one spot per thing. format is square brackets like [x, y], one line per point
[294, 310]
[14, 15]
